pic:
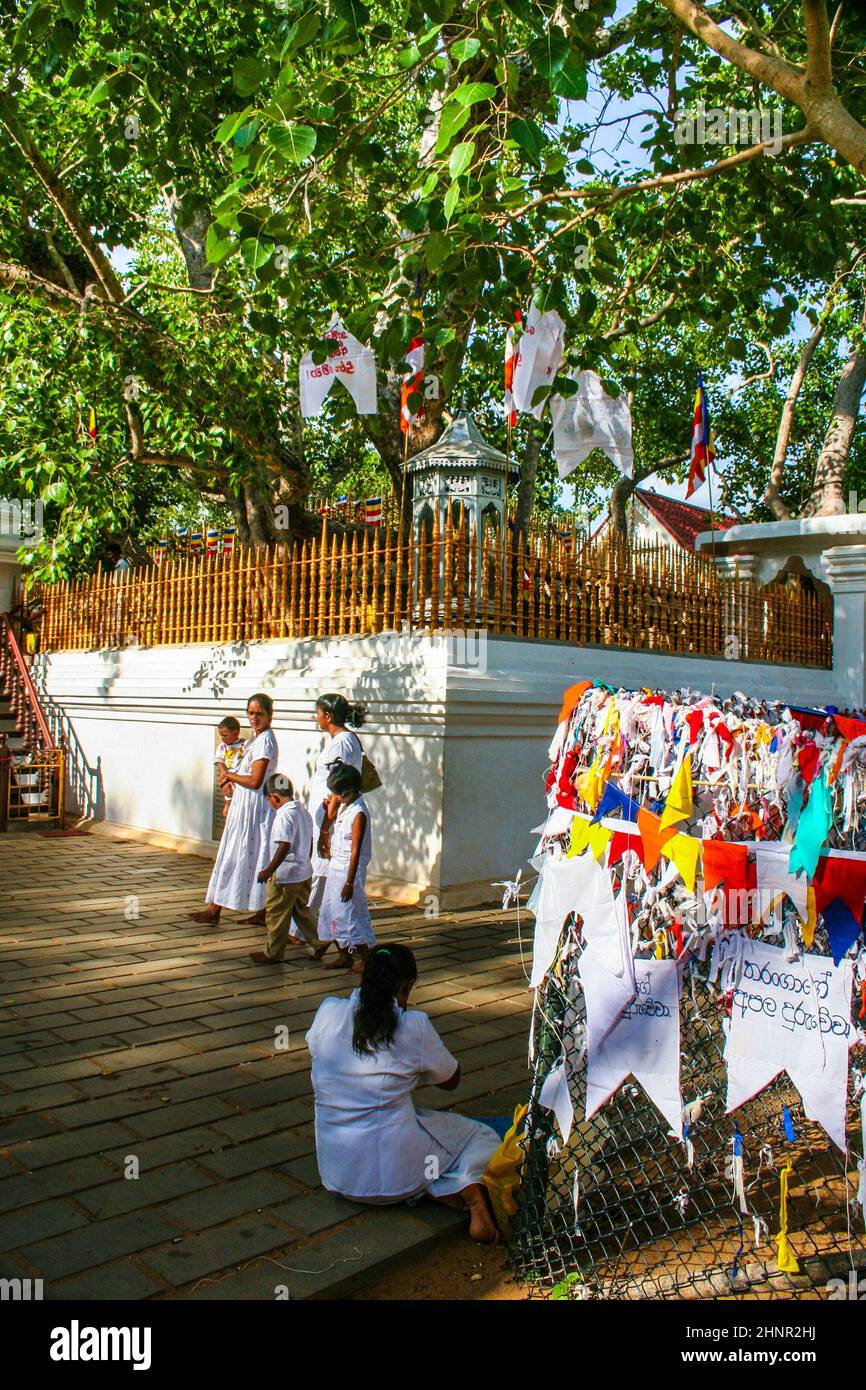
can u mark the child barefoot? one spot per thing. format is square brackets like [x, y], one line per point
[344, 915]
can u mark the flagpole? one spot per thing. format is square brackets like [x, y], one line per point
[709, 467]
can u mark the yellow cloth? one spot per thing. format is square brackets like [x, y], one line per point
[808, 928]
[680, 802]
[787, 1262]
[583, 833]
[590, 784]
[501, 1177]
[684, 851]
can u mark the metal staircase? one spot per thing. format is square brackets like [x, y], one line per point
[31, 759]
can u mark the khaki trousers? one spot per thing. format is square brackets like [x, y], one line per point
[283, 902]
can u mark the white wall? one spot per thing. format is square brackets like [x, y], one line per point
[459, 735]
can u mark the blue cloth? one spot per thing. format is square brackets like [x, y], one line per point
[500, 1123]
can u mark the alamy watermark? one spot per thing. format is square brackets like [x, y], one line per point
[727, 125]
[21, 518]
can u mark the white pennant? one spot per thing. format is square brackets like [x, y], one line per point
[792, 1016]
[350, 362]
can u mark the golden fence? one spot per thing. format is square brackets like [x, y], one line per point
[645, 596]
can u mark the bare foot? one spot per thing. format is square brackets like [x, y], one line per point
[207, 914]
[316, 952]
[342, 961]
[481, 1224]
[258, 919]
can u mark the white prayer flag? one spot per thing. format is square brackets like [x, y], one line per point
[539, 353]
[351, 361]
[591, 420]
[793, 1016]
[644, 1041]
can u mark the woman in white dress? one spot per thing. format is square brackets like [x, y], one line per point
[344, 915]
[369, 1053]
[333, 714]
[244, 847]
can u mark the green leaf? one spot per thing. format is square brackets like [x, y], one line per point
[408, 57]
[571, 82]
[461, 158]
[436, 250]
[247, 74]
[256, 253]
[100, 93]
[549, 53]
[470, 92]
[451, 199]
[246, 134]
[217, 245]
[453, 120]
[73, 9]
[464, 49]
[528, 136]
[230, 126]
[292, 142]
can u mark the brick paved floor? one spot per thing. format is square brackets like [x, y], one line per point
[132, 1039]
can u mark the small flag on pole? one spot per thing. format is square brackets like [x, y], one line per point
[510, 363]
[212, 540]
[373, 512]
[161, 548]
[228, 542]
[410, 396]
[195, 542]
[702, 452]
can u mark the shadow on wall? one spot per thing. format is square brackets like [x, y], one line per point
[406, 811]
[85, 793]
[218, 670]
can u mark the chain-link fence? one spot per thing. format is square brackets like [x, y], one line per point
[627, 1210]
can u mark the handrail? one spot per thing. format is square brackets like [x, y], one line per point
[29, 689]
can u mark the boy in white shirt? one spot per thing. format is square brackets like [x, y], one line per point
[289, 874]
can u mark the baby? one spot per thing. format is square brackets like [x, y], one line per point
[229, 752]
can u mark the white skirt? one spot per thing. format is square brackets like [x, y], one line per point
[348, 923]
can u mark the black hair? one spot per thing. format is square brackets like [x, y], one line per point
[280, 783]
[337, 708]
[344, 779]
[229, 723]
[265, 701]
[386, 968]
[113, 548]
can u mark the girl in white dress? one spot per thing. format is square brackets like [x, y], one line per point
[344, 916]
[244, 847]
[369, 1053]
[333, 713]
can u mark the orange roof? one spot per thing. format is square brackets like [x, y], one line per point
[683, 521]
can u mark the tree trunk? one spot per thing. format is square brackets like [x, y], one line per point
[526, 489]
[619, 500]
[829, 497]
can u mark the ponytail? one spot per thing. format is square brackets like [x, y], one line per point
[386, 968]
[338, 709]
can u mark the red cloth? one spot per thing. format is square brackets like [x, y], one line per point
[695, 721]
[620, 841]
[650, 828]
[729, 863]
[808, 758]
[840, 878]
[850, 728]
[565, 794]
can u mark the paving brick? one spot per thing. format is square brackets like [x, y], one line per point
[38, 1222]
[271, 1152]
[97, 1243]
[66, 1144]
[226, 1200]
[317, 1212]
[171, 1118]
[149, 1189]
[304, 1170]
[169, 1148]
[264, 1121]
[199, 1256]
[121, 1281]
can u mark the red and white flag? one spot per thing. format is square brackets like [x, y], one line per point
[411, 398]
[538, 359]
[510, 364]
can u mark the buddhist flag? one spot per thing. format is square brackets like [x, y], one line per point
[679, 801]
[702, 452]
[91, 423]
[410, 395]
[373, 511]
[510, 363]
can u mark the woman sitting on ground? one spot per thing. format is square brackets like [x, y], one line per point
[369, 1053]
